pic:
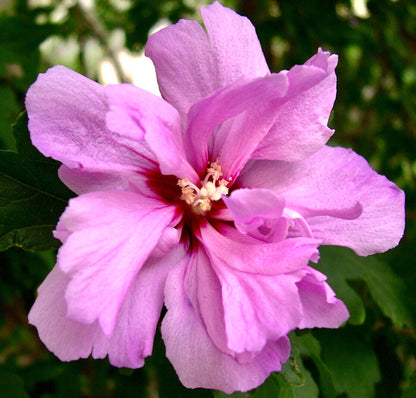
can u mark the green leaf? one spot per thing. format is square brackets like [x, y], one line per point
[341, 265]
[351, 361]
[11, 385]
[296, 376]
[9, 108]
[31, 200]
[310, 347]
[31, 195]
[24, 144]
[291, 370]
[410, 391]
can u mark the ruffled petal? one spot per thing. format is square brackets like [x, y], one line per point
[67, 339]
[191, 63]
[257, 308]
[244, 253]
[234, 143]
[197, 361]
[133, 335]
[137, 113]
[300, 126]
[67, 122]
[108, 237]
[132, 338]
[258, 213]
[345, 201]
[320, 306]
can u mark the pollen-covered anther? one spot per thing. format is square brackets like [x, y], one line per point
[212, 188]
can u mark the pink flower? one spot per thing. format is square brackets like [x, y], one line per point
[211, 201]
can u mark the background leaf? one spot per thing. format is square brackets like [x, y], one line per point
[352, 362]
[11, 385]
[342, 266]
[31, 196]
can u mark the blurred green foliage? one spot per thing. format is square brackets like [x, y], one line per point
[374, 355]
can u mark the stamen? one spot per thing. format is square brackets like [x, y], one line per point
[212, 188]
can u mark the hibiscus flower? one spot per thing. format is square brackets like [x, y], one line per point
[212, 201]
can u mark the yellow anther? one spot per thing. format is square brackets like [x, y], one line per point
[212, 188]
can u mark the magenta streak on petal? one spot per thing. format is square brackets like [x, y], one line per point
[136, 112]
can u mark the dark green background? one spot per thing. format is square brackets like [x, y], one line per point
[375, 113]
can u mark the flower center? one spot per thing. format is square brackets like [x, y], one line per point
[212, 188]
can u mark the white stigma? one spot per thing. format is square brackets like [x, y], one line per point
[212, 188]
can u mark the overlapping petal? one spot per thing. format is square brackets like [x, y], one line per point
[106, 244]
[80, 180]
[253, 256]
[137, 113]
[319, 305]
[67, 121]
[132, 338]
[67, 339]
[191, 63]
[345, 201]
[300, 123]
[198, 362]
[258, 213]
[247, 128]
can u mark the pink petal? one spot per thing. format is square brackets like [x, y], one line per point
[236, 140]
[196, 359]
[67, 122]
[137, 113]
[83, 181]
[203, 289]
[191, 63]
[244, 253]
[67, 339]
[258, 213]
[257, 308]
[234, 44]
[320, 306]
[300, 127]
[109, 237]
[132, 338]
[347, 203]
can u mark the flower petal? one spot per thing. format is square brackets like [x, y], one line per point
[237, 140]
[258, 213]
[191, 63]
[257, 308]
[83, 181]
[67, 122]
[300, 127]
[196, 359]
[132, 338]
[137, 113]
[244, 253]
[234, 44]
[320, 306]
[345, 201]
[67, 339]
[109, 237]
[133, 335]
